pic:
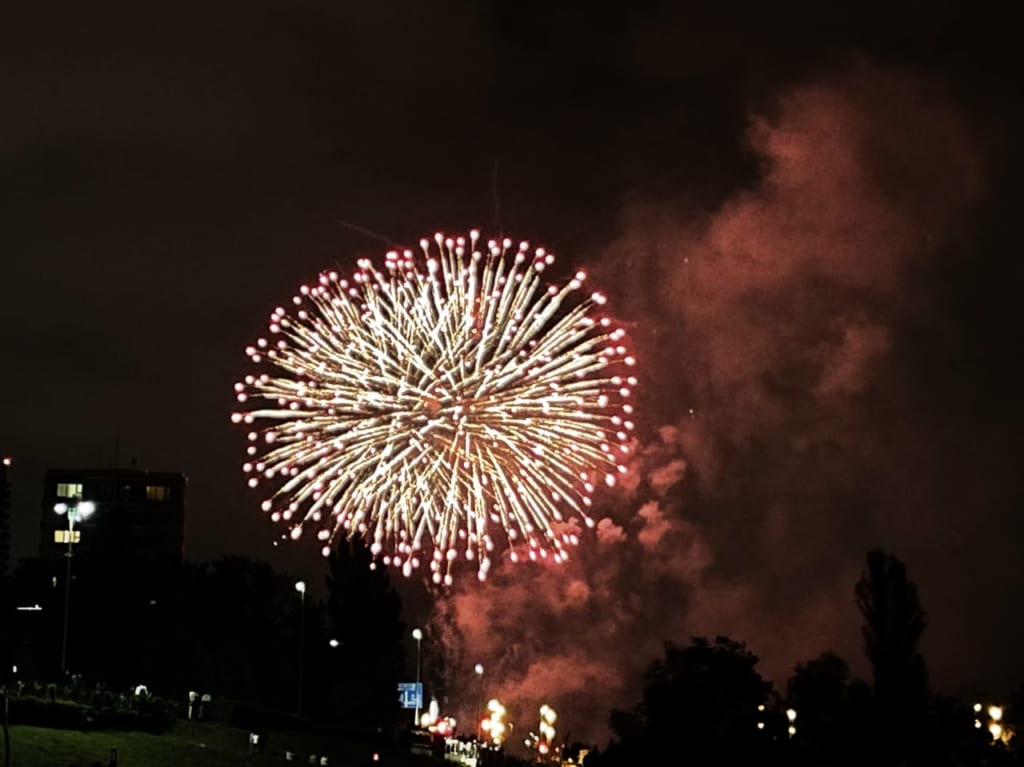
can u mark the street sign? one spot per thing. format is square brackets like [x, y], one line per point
[410, 694]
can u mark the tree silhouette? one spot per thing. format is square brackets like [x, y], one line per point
[893, 624]
[1015, 710]
[118, 620]
[894, 621]
[365, 614]
[232, 632]
[832, 711]
[436, 667]
[818, 692]
[701, 701]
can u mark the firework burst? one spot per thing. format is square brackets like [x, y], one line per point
[444, 407]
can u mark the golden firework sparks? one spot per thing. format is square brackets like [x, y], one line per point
[444, 406]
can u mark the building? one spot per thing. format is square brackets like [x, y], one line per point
[5, 517]
[138, 514]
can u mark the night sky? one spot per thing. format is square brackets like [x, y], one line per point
[806, 218]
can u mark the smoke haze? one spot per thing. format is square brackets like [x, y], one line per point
[776, 451]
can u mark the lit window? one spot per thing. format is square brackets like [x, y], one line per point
[69, 490]
[61, 536]
[157, 493]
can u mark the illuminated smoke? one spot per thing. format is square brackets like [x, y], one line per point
[774, 332]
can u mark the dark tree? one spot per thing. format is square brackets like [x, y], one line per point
[233, 632]
[894, 621]
[365, 614]
[950, 738]
[700, 701]
[818, 692]
[1015, 709]
[832, 712]
[121, 620]
[435, 668]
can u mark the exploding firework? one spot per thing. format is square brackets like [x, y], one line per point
[446, 406]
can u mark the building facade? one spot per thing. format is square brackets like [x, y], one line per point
[136, 514]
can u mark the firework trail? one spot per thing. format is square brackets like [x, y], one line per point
[443, 407]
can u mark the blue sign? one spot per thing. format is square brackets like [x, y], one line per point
[410, 694]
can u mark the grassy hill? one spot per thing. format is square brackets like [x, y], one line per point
[203, 744]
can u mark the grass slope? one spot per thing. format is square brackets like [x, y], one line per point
[199, 745]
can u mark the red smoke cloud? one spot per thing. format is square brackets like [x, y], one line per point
[770, 333]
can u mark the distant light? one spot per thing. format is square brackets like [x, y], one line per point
[791, 714]
[300, 586]
[760, 725]
[478, 668]
[30, 609]
[417, 634]
[334, 643]
[996, 730]
[977, 708]
[81, 510]
[14, 669]
[792, 731]
[995, 713]
[7, 460]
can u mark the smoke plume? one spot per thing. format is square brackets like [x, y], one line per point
[777, 446]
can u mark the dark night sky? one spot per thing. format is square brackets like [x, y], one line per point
[805, 216]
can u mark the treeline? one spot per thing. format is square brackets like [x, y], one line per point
[706, 703]
[233, 629]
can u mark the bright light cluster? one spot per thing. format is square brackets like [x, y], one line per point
[442, 407]
[546, 737]
[494, 724]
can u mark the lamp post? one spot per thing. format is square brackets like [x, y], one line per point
[76, 510]
[418, 636]
[479, 670]
[300, 586]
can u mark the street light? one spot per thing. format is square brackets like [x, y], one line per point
[418, 636]
[74, 511]
[478, 669]
[300, 586]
